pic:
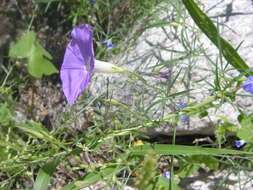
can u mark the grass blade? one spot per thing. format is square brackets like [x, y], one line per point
[90, 179]
[44, 175]
[206, 25]
[165, 149]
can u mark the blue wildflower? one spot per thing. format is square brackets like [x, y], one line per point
[166, 175]
[108, 44]
[92, 2]
[248, 84]
[240, 143]
[182, 106]
[181, 116]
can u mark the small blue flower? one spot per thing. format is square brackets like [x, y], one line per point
[240, 143]
[182, 106]
[248, 84]
[92, 2]
[183, 118]
[166, 175]
[108, 44]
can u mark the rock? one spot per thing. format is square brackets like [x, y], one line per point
[184, 48]
[220, 180]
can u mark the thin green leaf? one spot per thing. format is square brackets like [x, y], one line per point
[164, 149]
[162, 24]
[44, 175]
[166, 99]
[90, 179]
[70, 186]
[117, 103]
[171, 62]
[39, 131]
[6, 117]
[206, 25]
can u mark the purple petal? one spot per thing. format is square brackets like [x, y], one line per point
[164, 75]
[78, 62]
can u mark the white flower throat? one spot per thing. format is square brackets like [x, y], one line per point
[106, 67]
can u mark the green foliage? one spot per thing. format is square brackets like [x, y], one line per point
[38, 131]
[164, 149]
[209, 162]
[223, 129]
[104, 149]
[7, 138]
[146, 178]
[5, 115]
[19, 151]
[245, 132]
[44, 175]
[38, 58]
[207, 27]
[187, 169]
[92, 178]
[149, 179]
[190, 165]
[110, 19]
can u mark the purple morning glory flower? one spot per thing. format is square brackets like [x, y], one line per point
[163, 75]
[166, 175]
[108, 44]
[78, 63]
[240, 143]
[248, 84]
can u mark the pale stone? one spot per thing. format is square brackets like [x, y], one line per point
[235, 20]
